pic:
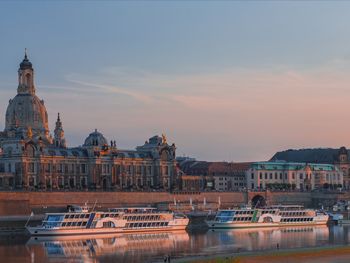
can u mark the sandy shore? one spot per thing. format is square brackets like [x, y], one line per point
[334, 254]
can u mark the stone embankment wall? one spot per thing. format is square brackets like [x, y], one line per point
[20, 203]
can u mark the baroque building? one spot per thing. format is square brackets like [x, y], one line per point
[292, 175]
[31, 158]
[338, 157]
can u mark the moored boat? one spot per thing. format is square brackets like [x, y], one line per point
[274, 216]
[116, 220]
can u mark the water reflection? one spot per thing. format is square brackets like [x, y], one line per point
[262, 238]
[150, 247]
[127, 245]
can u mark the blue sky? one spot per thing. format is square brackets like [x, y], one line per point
[224, 80]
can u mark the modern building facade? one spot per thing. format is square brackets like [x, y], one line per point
[291, 175]
[31, 158]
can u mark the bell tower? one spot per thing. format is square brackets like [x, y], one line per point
[26, 76]
[59, 139]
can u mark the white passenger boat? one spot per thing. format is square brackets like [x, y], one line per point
[116, 220]
[274, 216]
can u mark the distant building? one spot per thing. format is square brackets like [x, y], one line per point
[338, 157]
[219, 176]
[194, 175]
[31, 158]
[291, 175]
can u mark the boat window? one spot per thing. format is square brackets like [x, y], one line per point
[63, 224]
[66, 216]
[84, 223]
[69, 223]
[87, 215]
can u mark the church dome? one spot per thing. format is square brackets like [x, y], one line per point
[27, 110]
[95, 139]
[25, 64]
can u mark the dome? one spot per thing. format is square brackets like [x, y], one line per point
[25, 64]
[27, 111]
[95, 139]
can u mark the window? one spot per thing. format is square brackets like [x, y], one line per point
[252, 176]
[270, 175]
[260, 174]
[266, 176]
[83, 168]
[31, 167]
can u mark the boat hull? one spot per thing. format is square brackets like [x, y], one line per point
[39, 231]
[214, 225]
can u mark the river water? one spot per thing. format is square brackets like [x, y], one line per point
[153, 247]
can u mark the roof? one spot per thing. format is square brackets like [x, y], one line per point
[283, 165]
[76, 152]
[203, 167]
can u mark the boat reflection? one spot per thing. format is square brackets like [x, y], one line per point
[268, 238]
[148, 247]
[84, 246]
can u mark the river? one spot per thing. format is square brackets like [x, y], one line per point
[153, 247]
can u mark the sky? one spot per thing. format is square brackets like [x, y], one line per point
[224, 80]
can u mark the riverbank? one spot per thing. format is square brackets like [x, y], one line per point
[339, 254]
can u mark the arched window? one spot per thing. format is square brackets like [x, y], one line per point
[31, 151]
[28, 79]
